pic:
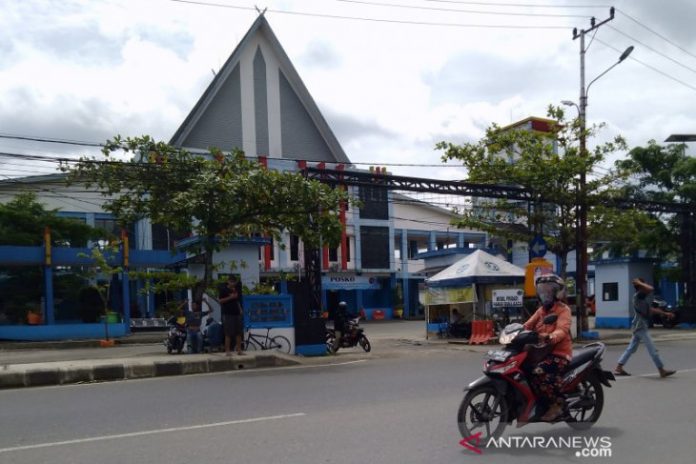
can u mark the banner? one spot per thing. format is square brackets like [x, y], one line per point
[446, 295]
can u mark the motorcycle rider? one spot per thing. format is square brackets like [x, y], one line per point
[340, 319]
[547, 376]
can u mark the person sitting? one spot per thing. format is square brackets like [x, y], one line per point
[458, 326]
[193, 326]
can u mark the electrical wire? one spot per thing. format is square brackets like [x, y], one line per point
[648, 66]
[480, 12]
[679, 63]
[376, 20]
[671, 42]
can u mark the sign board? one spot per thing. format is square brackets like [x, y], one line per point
[507, 297]
[537, 247]
[349, 282]
[268, 311]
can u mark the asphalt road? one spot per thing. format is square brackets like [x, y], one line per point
[394, 409]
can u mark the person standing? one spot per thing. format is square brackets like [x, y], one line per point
[639, 326]
[230, 298]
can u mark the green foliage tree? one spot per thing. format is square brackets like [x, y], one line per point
[22, 223]
[548, 164]
[660, 173]
[218, 196]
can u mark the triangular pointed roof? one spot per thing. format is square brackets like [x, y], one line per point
[257, 102]
[479, 267]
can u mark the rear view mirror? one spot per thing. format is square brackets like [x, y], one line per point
[550, 319]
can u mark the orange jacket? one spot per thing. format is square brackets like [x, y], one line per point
[559, 331]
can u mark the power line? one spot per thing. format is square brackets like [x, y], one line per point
[679, 63]
[517, 5]
[376, 20]
[49, 140]
[656, 33]
[648, 66]
[480, 12]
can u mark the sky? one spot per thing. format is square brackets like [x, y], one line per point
[392, 77]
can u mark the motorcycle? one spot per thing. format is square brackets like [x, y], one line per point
[354, 335]
[659, 319]
[176, 338]
[504, 393]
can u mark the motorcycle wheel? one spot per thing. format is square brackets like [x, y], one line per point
[365, 344]
[591, 400]
[483, 410]
[169, 349]
[668, 323]
[330, 340]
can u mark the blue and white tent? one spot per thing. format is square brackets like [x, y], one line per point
[478, 268]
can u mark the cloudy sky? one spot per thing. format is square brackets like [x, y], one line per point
[392, 77]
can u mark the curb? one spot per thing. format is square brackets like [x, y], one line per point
[65, 373]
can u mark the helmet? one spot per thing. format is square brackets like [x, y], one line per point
[343, 305]
[549, 288]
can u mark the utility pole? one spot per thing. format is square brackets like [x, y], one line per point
[581, 260]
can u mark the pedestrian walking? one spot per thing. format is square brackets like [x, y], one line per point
[639, 325]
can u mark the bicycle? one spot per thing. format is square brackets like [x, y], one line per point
[255, 341]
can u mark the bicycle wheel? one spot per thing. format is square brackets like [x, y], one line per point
[280, 343]
[250, 345]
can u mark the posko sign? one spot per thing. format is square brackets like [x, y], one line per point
[507, 297]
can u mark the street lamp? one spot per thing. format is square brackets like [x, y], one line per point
[581, 239]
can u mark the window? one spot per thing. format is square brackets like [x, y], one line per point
[610, 291]
[375, 247]
[333, 254]
[294, 248]
[375, 204]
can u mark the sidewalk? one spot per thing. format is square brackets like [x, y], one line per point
[142, 355]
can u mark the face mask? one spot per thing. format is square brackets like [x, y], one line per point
[546, 294]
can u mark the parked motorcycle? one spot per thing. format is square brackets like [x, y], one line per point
[659, 319]
[504, 393]
[353, 336]
[176, 338]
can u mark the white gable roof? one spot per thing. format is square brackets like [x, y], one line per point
[478, 267]
[257, 102]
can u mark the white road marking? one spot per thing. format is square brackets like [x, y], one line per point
[148, 432]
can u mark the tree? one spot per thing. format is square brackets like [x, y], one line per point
[22, 223]
[661, 173]
[547, 164]
[218, 196]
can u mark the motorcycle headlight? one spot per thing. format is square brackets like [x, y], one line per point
[509, 333]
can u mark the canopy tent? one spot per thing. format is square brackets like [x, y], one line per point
[477, 268]
[465, 284]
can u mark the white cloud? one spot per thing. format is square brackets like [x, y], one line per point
[87, 70]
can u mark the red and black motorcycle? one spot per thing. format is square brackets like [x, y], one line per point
[354, 335]
[504, 393]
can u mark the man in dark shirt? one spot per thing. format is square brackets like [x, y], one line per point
[639, 326]
[231, 308]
